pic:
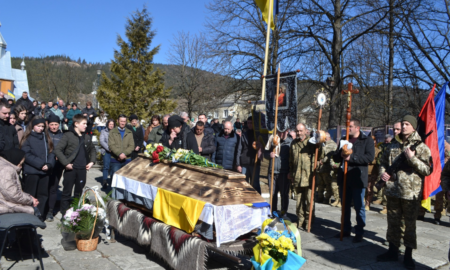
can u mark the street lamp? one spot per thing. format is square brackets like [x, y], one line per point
[96, 84]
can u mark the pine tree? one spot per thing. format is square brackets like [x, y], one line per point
[134, 87]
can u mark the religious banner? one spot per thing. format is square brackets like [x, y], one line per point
[287, 101]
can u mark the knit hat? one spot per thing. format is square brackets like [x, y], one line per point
[410, 119]
[133, 117]
[53, 118]
[38, 121]
[175, 121]
[13, 155]
[55, 104]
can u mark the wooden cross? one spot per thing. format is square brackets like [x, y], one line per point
[349, 91]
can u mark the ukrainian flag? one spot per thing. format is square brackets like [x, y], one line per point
[11, 94]
[264, 6]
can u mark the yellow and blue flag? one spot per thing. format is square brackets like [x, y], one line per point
[11, 94]
[264, 6]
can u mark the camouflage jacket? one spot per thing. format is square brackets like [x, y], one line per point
[328, 148]
[407, 182]
[301, 161]
[445, 177]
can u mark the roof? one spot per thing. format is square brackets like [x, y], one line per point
[20, 82]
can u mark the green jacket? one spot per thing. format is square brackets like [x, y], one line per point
[155, 135]
[301, 161]
[408, 181]
[117, 145]
[70, 114]
[329, 147]
[445, 177]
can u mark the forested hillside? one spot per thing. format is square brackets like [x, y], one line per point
[60, 76]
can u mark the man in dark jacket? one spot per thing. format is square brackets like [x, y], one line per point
[26, 102]
[76, 152]
[228, 148]
[90, 114]
[281, 169]
[363, 152]
[216, 126]
[10, 138]
[205, 144]
[248, 155]
[207, 126]
[138, 135]
[56, 135]
[176, 134]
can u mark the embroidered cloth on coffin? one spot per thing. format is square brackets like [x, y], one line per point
[177, 210]
[232, 221]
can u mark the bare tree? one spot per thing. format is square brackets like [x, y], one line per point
[197, 83]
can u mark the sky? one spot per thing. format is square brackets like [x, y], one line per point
[89, 28]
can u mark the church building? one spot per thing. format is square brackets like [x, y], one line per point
[11, 79]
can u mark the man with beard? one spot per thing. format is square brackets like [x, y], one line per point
[10, 138]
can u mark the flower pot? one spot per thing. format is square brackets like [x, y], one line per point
[68, 240]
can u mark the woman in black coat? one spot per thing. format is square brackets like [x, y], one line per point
[138, 135]
[39, 161]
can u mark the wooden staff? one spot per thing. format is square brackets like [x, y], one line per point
[256, 148]
[349, 93]
[274, 134]
[311, 204]
[266, 55]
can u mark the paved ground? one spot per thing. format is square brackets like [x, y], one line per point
[320, 248]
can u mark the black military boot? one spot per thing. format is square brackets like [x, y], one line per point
[390, 256]
[408, 261]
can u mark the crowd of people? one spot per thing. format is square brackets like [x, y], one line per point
[45, 142]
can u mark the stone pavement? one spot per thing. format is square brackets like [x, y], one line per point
[320, 248]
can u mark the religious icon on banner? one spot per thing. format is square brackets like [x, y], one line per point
[287, 101]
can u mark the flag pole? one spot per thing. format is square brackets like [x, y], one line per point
[266, 57]
[273, 138]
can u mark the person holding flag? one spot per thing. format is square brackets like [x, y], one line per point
[404, 189]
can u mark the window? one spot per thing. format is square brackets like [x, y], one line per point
[225, 113]
[216, 114]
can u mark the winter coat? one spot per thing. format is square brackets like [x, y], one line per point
[217, 128]
[117, 145]
[2, 142]
[37, 154]
[56, 137]
[301, 161]
[138, 135]
[58, 113]
[358, 166]
[281, 161]
[104, 135]
[20, 132]
[67, 148]
[45, 114]
[12, 198]
[407, 182]
[148, 130]
[89, 112]
[27, 103]
[11, 140]
[329, 147]
[248, 153]
[155, 135]
[70, 114]
[180, 141]
[227, 150]
[208, 144]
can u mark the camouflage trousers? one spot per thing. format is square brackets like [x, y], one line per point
[303, 204]
[399, 211]
[381, 196]
[438, 206]
[323, 182]
[369, 191]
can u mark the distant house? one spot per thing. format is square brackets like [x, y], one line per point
[14, 80]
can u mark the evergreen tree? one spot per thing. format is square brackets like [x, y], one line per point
[134, 87]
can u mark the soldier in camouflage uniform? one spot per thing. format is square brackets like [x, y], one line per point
[373, 174]
[404, 190]
[301, 167]
[324, 171]
[334, 184]
[445, 180]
